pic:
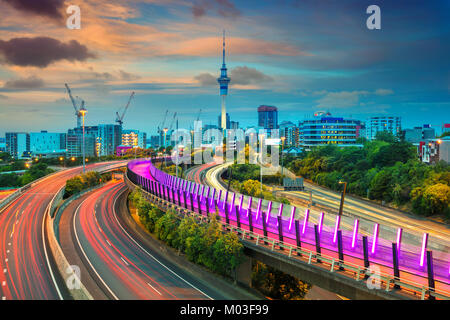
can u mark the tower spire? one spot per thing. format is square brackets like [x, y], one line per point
[223, 47]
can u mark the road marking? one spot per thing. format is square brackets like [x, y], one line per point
[4, 270]
[84, 253]
[7, 251]
[3, 298]
[124, 261]
[154, 289]
[109, 243]
[153, 257]
[6, 260]
[4, 283]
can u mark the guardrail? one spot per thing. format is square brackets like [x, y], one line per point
[65, 270]
[166, 192]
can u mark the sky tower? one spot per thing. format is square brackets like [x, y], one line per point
[223, 82]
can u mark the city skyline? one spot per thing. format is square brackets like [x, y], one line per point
[328, 61]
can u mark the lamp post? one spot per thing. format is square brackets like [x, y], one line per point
[83, 112]
[261, 137]
[341, 207]
[282, 148]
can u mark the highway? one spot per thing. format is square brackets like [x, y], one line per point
[389, 219]
[409, 252]
[118, 262]
[26, 271]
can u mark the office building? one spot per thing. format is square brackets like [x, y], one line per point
[434, 150]
[268, 117]
[74, 142]
[109, 137]
[324, 129]
[227, 121]
[291, 133]
[17, 144]
[134, 138]
[390, 124]
[417, 134]
[47, 144]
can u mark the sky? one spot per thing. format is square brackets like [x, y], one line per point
[301, 56]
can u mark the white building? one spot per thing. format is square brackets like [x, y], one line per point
[18, 144]
[134, 138]
[374, 125]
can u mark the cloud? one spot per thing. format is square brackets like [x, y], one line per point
[46, 8]
[206, 79]
[223, 8]
[245, 76]
[342, 99]
[31, 82]
[128, 76]
[383, 92]
[41, 51]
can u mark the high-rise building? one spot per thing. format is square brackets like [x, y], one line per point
[17, 144]
[134, 138]
[74, 141]
[109, 137]
[324, 129]
[227, 121]
[418, 134]
[234, 125]
[390, 124]
[223, 81]
[268, 117]
[290, 132]
[47, 143]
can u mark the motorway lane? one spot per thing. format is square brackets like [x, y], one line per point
[212, 177]
[125, 269]
[24, 261]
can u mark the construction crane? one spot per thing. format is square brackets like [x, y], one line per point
[162, 126]
[77, 111]
[172, 122]
[119, 118]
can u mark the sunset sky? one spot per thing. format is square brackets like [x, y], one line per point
[301, 56]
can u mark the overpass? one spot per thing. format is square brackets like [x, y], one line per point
[347, 263]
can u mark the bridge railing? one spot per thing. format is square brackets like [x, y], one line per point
[195, 198]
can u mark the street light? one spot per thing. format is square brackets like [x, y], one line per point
[83, 112]
[341, 207]
[282, 148]
[261, 137]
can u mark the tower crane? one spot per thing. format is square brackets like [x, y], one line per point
[77, 111]
[119, 118]
[162, 126]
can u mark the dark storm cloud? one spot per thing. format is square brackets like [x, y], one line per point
[31, 82]
[41, 51]
[46, 8]
[224, 8]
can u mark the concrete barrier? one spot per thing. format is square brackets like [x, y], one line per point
[77, 291]
[64, 268]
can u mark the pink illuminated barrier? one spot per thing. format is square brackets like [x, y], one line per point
[292, 231]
